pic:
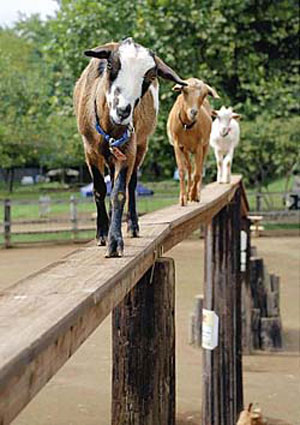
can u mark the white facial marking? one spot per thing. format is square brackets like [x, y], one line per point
[154, 92]
[135, 62]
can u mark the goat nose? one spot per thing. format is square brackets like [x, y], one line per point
[124, 111]
[194, 112]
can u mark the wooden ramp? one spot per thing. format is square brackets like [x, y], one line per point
[47, 316]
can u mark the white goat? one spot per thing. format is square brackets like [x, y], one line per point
[224, 137]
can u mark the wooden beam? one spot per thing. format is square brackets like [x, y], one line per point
[46, 317]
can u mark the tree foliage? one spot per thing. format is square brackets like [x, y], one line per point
[248, 50]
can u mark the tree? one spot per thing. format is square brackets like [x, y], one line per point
[249, 51]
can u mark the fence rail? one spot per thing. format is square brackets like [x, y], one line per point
[46, 317]
[28, 221]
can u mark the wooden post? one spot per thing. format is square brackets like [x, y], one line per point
[74, 217]
[271, 339]
[222, 368]
[246, 290]
[198, 320]
[258, 201]
[258, 291]
[143, 384]
[7, 223]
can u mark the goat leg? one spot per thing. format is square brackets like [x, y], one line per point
[132, 216]
[118, 198]
[99, 196]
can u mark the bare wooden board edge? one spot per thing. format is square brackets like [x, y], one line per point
[29, 369]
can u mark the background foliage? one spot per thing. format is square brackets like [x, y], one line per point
[248, 50]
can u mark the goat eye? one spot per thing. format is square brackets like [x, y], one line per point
[150, 75]
[109, 65]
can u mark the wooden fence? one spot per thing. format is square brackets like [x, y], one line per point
[45, 218]
[47, 316]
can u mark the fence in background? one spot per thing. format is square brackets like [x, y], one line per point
[48, 219]
[73, 219]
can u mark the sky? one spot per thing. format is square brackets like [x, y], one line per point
[9, 9]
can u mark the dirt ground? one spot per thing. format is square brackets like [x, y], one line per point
[79, 394]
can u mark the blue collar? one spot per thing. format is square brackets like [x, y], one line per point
[113, 143]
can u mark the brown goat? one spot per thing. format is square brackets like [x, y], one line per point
[188, 128]
[116, 104]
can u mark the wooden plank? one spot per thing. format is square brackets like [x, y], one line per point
[46, 317]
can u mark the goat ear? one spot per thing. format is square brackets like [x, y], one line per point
[236, 116]
[167, 73]
[212, 92]
[101, 52]
[177, 87]
[214, 113]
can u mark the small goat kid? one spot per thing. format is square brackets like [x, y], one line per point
[188, 128]
[116, 104]
[225, 136]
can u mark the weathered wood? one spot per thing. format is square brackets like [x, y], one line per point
[271, 339]
[198, 320]
[46, 317]
[191, 330]
[213, 198]
[143, 384]
[74, 217]
[273, 304]
[237, 355]
[258, 290]
[246, 289]
[7, 223]
[208, 393]
[275, 283]
[222, 367]
[255, 328]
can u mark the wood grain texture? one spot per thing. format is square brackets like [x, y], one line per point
[222, 367]
[143, 384]
[47, 316]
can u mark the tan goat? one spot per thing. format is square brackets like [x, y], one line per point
[188, 128]
[251, 416]
[116, 104]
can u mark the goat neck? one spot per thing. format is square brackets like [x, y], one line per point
[185, 121]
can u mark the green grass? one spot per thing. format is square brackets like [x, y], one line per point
[49, 237]
[281, 226]
[165, 194]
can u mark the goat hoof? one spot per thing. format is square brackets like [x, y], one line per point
[114, 254]
[133, 231]
[182, 201]
[115, 248]
[101, 241]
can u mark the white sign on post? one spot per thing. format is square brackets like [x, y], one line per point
[210, 329]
